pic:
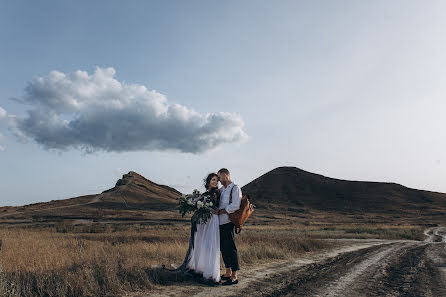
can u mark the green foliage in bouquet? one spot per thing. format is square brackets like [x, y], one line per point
[205, 208]
[186, 203]
[201, 206]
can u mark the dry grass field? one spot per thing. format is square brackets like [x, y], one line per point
[114, 242]
[107, 261]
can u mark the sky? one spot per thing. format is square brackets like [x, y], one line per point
[174, 90]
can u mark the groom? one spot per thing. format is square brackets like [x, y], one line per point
[227, 244]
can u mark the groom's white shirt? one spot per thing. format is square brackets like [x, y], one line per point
[224, 201]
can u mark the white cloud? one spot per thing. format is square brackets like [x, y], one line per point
[3, 116]
[97, 112]
[2, 148]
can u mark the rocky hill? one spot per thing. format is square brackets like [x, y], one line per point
[293, 188]
[133, 198]
[133, 191]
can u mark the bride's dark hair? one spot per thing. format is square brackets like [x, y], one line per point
[207, 180]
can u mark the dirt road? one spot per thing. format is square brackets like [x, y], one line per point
[395, 269]
[359, 268]
[435, 234]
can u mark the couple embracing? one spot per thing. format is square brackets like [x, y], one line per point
[216, 235]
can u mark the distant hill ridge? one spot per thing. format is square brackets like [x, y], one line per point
[283, 189]
[140, 180]
[294, 187]
[135, 191]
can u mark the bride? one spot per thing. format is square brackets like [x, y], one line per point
[203, 255]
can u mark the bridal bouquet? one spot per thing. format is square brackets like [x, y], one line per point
[201, 205]
[187, 202]
[205, 208]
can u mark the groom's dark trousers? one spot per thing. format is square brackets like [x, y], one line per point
[227, 246]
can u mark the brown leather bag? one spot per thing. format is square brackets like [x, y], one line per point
[239, 217]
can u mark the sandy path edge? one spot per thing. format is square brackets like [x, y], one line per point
[251, 274]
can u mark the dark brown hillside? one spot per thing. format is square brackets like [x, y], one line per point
[136, 192]
[284, 195]
[133, 198]
[293, 188]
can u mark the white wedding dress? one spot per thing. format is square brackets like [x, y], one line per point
[205, 255]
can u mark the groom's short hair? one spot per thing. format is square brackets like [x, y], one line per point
[224, 171]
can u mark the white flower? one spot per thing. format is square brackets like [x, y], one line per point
[189, 201]
[200, 205]
[210, 204]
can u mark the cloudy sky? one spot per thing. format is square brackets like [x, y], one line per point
[173, 90]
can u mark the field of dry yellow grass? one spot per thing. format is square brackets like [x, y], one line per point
[52, 262]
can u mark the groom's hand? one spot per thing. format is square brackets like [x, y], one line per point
[216, 211]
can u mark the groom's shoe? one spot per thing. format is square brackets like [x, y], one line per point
[230, 282]
[225, 277]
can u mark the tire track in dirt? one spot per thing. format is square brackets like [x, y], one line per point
[355, 276]
[411, 269]
[413, 273]
[435, 234]
[328, 277]
[369, 268]
[248, 277]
